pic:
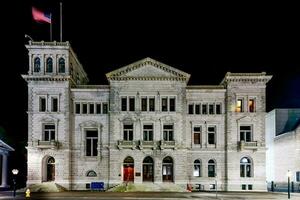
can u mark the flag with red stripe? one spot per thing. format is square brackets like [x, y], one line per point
[40, 16]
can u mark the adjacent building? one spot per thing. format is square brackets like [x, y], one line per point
[146, 125]
[5, 149]
[283, 147]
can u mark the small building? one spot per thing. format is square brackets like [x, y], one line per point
[4, 152]
[283, 147]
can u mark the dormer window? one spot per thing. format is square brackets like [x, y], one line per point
[37, 65]
[61, 65]
[49, 65]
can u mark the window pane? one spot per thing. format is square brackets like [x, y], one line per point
[95, 143]
[211, 170]
[37, 65]
[239, 105]
[54, 105]
[131, 104]
[77, 108]
[248, 136]
[131, 135]
[191, 109]
[151, 104]
[164, 106]
[144, 104]
[196, 138]
[124, 104]
[84, 108]
[211, 109]
[98, 108]
[248, 169]
[49, 65]
[251, 105]
[197, 109]
[52, 133]
[61, 67]
[218, 109]
[88, 147]
[105, 108]
[204, 109]
[242, 170]
[42, 104]
[211, 138]
[91, 133]
[172, 104]
[197, 170]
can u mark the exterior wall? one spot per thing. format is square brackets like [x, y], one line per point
[147, 78]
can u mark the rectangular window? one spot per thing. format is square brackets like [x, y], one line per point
[148, 132]
[211, 109]
[298, 176]
[124, 103]
[197, 135]
[128, 132]
[151, 104]
[239, 105]
[105, 108]
[172, 104]
[54, 104]
[164, 104]
[211, 170]
[91, 142]
[168, 133]
[49, 132]
[191, 109]
[42, 106]
[218, 108]
[77, 108]
[144, 104]
[91, 110]
[197, 109]
[249, 187]
[98, 108]
[211, 132]
[84, 108]
[131, 104]
[245, 133]
[251, 105]
[204, 109]
[244, 186]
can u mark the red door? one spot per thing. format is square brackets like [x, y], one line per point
[128, 173]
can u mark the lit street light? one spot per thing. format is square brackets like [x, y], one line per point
[289, 174]
[15, 172]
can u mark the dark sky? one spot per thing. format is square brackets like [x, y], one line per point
[204, 40]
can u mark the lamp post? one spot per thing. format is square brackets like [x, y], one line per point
[15, 172]
[289, 174]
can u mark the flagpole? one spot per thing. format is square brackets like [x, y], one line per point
[51, 27]
[60, 21]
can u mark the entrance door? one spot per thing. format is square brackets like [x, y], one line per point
[167, 169]
[51, 169]
[148, 169]
[128, 169]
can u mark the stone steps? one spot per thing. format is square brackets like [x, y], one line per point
[147, 187]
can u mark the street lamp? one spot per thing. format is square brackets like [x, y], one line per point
[15, 172]
[289, 174]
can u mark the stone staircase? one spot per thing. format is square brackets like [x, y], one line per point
[147, 187]
[46, 187]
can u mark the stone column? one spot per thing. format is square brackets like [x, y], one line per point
[4, 170]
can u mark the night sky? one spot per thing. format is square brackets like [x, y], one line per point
[203, 40]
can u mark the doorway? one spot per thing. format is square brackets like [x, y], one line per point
[51, 169]
[148, 169]
[167, 169]
[128, 169]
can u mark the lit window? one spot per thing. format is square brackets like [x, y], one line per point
[211, 168]
[197, 168]
[61, 65]
[128, 132]
[251, 105]
[168, 133]
[245, 167]
[239, 105]
[37, 65]
[245, 133]
[197, 135]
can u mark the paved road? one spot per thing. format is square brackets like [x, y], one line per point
[152, 195]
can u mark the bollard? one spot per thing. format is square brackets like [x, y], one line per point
[27, 193]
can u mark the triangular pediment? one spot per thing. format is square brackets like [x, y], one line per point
[148, 69]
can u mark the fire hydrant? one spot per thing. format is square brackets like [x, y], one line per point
[27, 192]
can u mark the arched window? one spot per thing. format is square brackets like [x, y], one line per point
[91, 173]
[211, 168]
[148, 169]
[50, 169]
[37, 64]
[167, 169]
[197, 168]
[61, 65]
[49, 65]
[245, 167]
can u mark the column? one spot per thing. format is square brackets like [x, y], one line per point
[4, 170]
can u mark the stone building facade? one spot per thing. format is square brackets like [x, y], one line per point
[147, 125]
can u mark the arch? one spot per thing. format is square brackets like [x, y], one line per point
[61, 65]
[48, 169]
[167, 169]
[246, 167]
[211, 168]
[148, 169]
[49, 65]
[91, 173]
[128, 169]
[37, 65]
[197, 168]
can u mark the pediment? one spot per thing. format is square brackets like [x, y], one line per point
[148, 69]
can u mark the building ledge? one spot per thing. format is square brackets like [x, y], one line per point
[47, 144]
